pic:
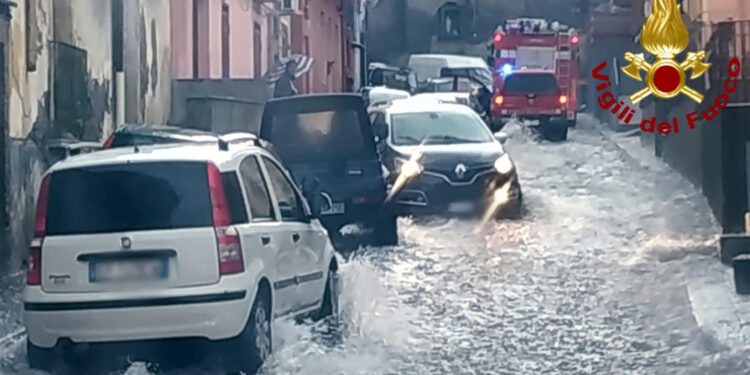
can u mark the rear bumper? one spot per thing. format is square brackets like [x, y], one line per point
[215, 314]
[355, 213]
[535, 114]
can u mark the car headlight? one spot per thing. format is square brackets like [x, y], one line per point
[408, 168]
[504, 165]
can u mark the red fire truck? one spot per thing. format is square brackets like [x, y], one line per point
[529, 56]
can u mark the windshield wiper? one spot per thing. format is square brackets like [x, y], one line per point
[452, 139]
[409, 139]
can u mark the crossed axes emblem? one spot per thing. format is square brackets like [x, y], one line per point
[666, 78]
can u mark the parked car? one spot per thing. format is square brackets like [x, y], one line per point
[443, 159]
[463, 98]
[64, 148]
[382, 95]
[129, 135]
[172, 242]
[380, 74]
[329, 137]
[533, 95]
[427, 66]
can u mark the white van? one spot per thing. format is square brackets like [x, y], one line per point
[427, 66]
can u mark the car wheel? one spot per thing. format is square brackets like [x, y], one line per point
[555, 131]
[40, 358]
[385, 230]
[513, 210]
[330, 306]
[254, 344]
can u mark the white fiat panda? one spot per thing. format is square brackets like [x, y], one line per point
[191, 241]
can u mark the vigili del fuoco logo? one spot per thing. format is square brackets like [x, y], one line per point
[664, 35]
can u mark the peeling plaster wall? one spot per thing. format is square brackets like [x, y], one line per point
[28, 82]
[36, 31]
[147, 57]
[26, 88]
[87, 24]
[156, 96]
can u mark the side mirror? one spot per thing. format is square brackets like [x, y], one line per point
[501, 137]
[311, 191]
[381, 131]
[582, 108]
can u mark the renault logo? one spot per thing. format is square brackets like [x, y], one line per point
[126, 243]
[461, 171]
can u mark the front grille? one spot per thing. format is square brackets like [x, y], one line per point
[467, 176]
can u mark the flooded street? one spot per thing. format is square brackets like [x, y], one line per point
[591, 281]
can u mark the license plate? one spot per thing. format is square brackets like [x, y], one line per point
[128, 270]
[461, 207]
[336, 208]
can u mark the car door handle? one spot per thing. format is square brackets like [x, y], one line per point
[295, 237]
[265, 240]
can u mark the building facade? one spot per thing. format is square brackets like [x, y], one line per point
[73, 70]
[215, 39]
[321, 29]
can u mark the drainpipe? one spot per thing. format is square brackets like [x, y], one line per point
[362, 63]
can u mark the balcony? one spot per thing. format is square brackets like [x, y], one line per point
[730, 39]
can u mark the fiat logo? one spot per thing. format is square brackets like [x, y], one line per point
[461, 170]
[126, 243]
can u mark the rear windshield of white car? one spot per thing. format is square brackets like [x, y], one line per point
[531, 83]
[129, 197]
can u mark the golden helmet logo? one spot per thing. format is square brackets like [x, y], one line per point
[664, 35]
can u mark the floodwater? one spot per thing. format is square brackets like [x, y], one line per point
[591, 281]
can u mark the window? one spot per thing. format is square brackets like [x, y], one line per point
[290, 205]
[234, 197]
[531, 83]
[318, 136]
[225, 40]
[196, 37]
[129, 197]
[257, 50]
[256, 190]
[411, 129]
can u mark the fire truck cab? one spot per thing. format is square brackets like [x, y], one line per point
[527, 54]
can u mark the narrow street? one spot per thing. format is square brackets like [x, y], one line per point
[591, 281]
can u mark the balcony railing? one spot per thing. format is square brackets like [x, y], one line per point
[730, 39]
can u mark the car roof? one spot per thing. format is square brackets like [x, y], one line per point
[442, 95]
[418, 106]
[453, 61]
[198, 152]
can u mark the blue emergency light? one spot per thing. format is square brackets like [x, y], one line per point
[506, 69]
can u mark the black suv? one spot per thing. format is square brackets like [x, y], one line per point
[329, 138]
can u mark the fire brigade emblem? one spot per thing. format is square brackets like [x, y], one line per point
[664, 35]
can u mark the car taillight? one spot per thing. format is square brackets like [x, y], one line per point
[563, 99]
[41, 208]
[227, 238]
[34, 272]
[499, 100]
[109, 142]
[498, 37]
[230, 251]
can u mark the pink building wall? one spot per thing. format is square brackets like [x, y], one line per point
[324, 29]
[242, 18]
